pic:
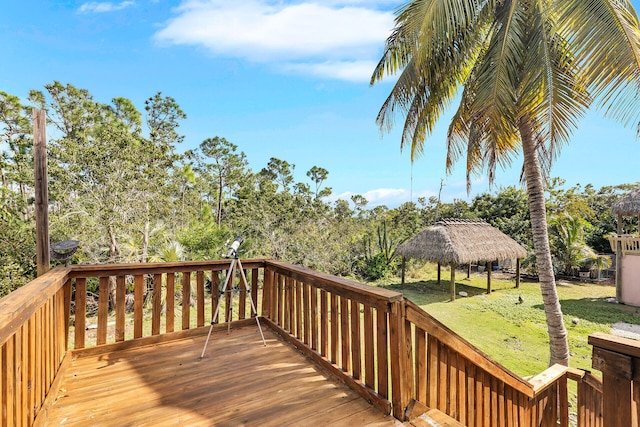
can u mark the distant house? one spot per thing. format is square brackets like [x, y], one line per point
[627, 250]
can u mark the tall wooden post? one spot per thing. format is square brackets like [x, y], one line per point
[617, 359]
[517, 273]
[619, 261]
[41, 191]
[404, 266]
[489, 267]
[438, 274]
[453, 281]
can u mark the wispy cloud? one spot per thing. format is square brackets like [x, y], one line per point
[101, 7]
[326, 38]
[390, 197]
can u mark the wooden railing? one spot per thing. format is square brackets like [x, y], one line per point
[392, 352]
[630, 244]
[383, 346]
[347, 327]
[33, 343]
[171, 290]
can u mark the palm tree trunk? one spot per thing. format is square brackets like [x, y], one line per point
[559, 346]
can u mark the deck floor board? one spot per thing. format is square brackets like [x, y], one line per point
[239, 382]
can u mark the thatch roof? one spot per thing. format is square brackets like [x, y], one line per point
[461, 242]
[628, 205]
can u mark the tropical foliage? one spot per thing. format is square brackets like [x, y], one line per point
[128, 197]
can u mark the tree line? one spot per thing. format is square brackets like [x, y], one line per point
[119, 183]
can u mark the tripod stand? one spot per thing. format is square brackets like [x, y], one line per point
[235, 262]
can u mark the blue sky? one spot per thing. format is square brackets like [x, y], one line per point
[285, 79]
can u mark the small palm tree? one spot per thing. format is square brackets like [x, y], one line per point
[568, 243]
[530, 69]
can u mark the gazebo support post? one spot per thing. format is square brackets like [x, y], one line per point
[453, 281]
[619, 261]
[439, 274]
[517, 273]
[404, 264]
[468, 270]
[489, 267]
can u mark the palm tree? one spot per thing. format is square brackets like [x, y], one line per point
[529, 70]
[569, 245]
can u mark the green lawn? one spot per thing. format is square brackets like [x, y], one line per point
[515, 334]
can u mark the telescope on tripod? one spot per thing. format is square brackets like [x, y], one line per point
[235, 264]
[233, 248]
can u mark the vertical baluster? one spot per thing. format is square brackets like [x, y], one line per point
[502, 412]
[51, 344]
[39, 358]
[452, 385]
[306, 313]
[170, 302]
[254, 291]
[186, 300]
[287, 305]
[17, 358]
[335, 321]
[299, 327]
[369, 349]
[462, 390]
[215, 293]
[494, 400]
[324, 324]
[157, 304]
[291, 303]
[138, 296]
[381, 353]
[242, 298]
[200, 297]
[314, 318]
[8, 374]
[81, 312]
[471, 398]
[228, 308]
[344, 335]
[3, 379]
[103, 310]
[120, 308]
[421, 365]
[356, 363]
[31, 369]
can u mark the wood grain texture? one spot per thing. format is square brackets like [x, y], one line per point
[167, 385]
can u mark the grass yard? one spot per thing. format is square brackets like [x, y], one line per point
[513, 333]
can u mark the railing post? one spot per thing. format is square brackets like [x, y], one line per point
[401, 366]
[614, 357]
[267, 286]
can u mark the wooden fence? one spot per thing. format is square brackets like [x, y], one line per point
[386, 348]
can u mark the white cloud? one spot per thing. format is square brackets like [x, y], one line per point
[390, 197]
[326, 38]
[101, 7]
[355, 71]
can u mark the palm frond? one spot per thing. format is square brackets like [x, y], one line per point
[607, 40]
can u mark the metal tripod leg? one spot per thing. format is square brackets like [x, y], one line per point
[228, 279]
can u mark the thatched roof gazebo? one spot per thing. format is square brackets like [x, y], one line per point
[456, 241]
[627, 205]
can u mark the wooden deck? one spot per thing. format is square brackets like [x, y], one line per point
[239, 382]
